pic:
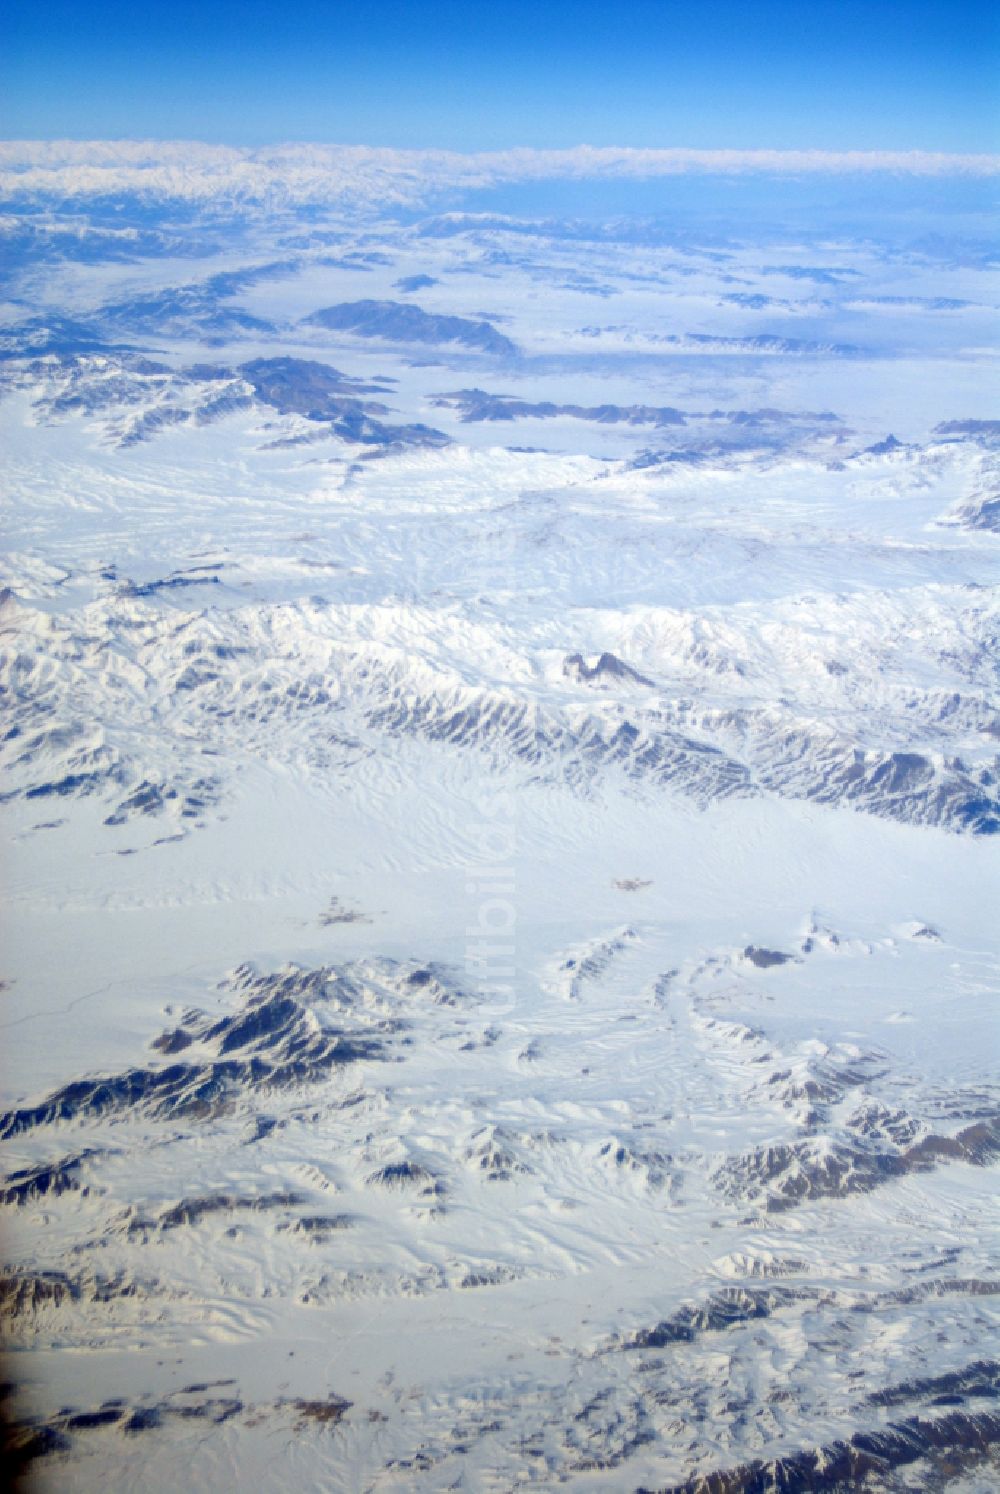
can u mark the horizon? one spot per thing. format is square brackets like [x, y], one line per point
[877, 192]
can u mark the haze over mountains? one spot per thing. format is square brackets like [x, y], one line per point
[500, 803]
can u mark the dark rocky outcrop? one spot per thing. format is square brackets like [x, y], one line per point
[402, 322]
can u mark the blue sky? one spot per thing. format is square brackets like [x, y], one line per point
[479, 76]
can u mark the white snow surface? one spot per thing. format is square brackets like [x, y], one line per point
[500, 953]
